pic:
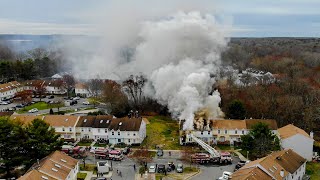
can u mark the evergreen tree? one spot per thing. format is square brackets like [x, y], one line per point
[236, 110]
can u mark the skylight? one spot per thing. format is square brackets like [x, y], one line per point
[85, 120]
[120, 123]
[44, 177]
[57, 165]
[63, 160]
[101, 121]
[53, 169]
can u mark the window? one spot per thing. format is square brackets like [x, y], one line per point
[225, 131]
[112, 133]
[62, 129]
[129, 140]
[89, 129]
[134, 134]
[218, 131]
[98, 130]
[242, 131]
[81, 129]
[119, 133]
[209, 132]
[236, 132]
[128, 134]
[201, 132]
[105, 130]
[119, 140]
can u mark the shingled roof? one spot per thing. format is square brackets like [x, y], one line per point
[272, 124]
[86, 121]
[122, 124]
[291, 130]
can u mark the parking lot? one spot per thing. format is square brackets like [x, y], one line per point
[126, 166]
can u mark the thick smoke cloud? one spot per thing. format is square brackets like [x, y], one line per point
[178, 52]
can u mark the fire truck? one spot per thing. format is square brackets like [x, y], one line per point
[101, 154]
[115, 155]
[75, 152]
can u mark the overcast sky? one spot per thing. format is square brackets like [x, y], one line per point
[250, 18]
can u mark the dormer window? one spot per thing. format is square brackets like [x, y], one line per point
[119, 133]
[112, 133]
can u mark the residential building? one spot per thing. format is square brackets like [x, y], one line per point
[56, 166]
[64, 125]
[84, 127]
[8, 90]
[119, 130]
[225, 131]
[297, 139]
[25, 119]
[55, 87]
[280, 165]
[82, 90]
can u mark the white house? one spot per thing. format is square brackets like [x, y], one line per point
[55, 166]
[84, 127]
[64, 125]
[297, 139]
[279, 165]
[119, 130]
[55, 87]
[82, 90]
[8, 90]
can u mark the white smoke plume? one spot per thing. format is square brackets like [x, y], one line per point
[179, 54]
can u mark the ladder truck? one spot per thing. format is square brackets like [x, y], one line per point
[215, 156]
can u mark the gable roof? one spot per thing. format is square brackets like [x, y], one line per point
[57, 165]
[9, 86]
[286, 160]
[253, 173]
[228, 124]
[102, 121]
[270, 122]
[61, 120]
[291, 130]
[81, 86]
[86, 121]
[25, 119]
[122, 124]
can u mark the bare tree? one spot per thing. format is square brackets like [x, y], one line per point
[69, 83]
[133, 86]
[95, 86]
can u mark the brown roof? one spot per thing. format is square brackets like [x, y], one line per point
[253, 173]
[291, 130]
[229, 124]
[9, 86]
[81, 86]
[270, 122]
[34, 83]
[25, 119]
[122, 124]
[61, 120]
[86, 121]
[54, 83]
[57, 165]
[286, 160]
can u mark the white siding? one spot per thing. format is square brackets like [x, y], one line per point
[300, 144]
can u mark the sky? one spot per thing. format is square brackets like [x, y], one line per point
[249, 18]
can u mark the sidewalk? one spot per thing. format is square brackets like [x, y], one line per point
[241, 157]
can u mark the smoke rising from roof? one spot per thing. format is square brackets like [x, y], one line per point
[177, 49]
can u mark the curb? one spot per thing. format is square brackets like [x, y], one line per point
[193, 175]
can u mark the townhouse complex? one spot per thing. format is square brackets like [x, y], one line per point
[75, 128]
[9, 90]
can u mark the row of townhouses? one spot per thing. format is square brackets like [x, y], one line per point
[280, 165]
[228, 131]
[55, 166]
[72, 128]
[8, 90]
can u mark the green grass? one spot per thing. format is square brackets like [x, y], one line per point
[81, 176]
[100, 145]
[89, 167]
[84, 143]
[159, 176]
[313, 169]
[39, 106]
[162, 131]
[189, 169]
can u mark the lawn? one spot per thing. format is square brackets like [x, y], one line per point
[38, 105]
[162, 131]
[81, 176]
[313, 169]
[89, 167]
[84, 143]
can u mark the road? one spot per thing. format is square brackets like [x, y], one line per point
[127, 170]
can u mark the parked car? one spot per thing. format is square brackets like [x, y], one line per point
[152, 169]
[86, 103]
[12, 109]
[51, 97]
[179, 168]
[76, 98]
[33, 110]
[19, 106]
[171, 167]
[3, 103]
[159, 152]
[225, 175]
[161, 168]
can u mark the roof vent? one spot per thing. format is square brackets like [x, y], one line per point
[44, 177]
[55, 170]
[120, 123]
[101, 121]
[63, 160]
[57, 165]
[85, 120]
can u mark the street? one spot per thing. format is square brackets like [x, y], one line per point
[128, 173]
